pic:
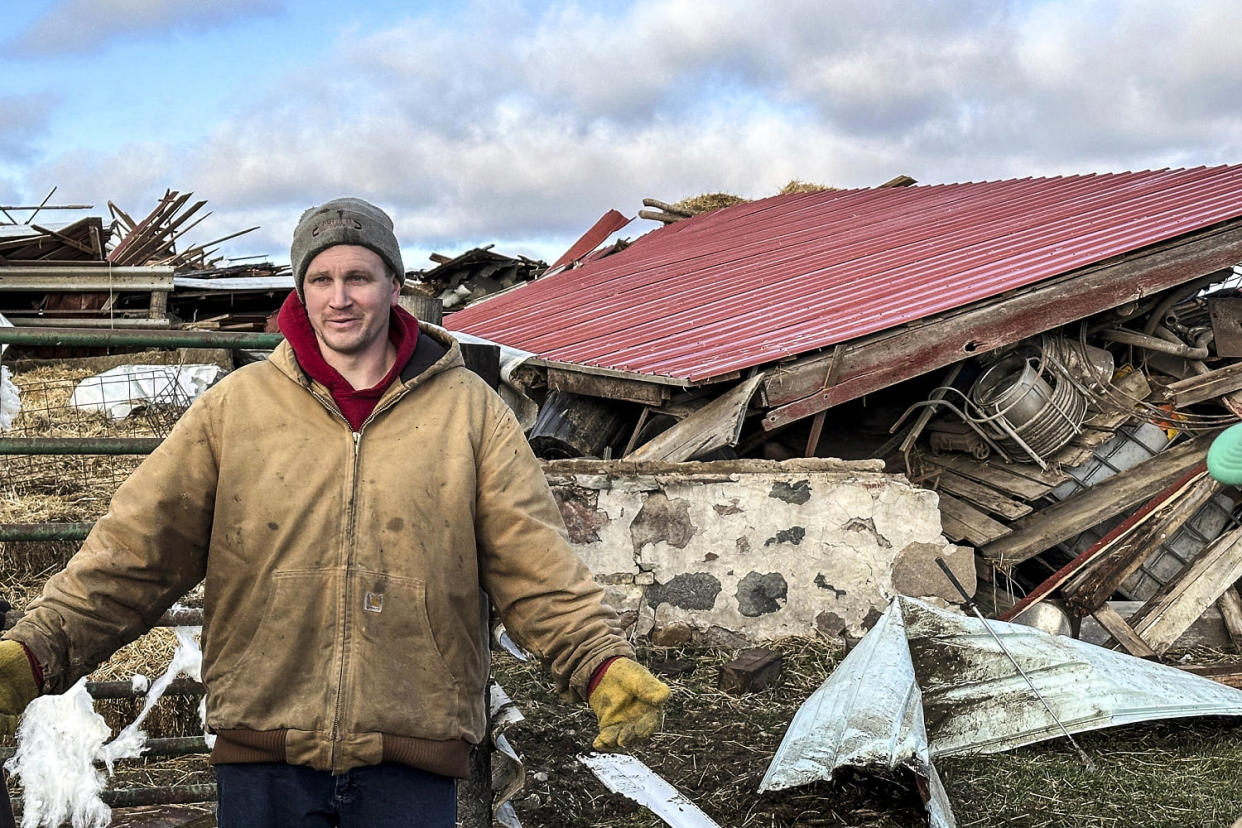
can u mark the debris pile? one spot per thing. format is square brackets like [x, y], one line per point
[1057, 389]
[460, 280]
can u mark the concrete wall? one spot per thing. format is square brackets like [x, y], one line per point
[755, 548]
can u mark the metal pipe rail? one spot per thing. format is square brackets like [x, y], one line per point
[43, 532]
[132, 797]
[125, 689]
[79, 445]
[173, 746]
[179, 338]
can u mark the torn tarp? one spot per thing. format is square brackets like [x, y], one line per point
[926, 683]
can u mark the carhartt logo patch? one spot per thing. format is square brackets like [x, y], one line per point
[374, 602]
[334, 223]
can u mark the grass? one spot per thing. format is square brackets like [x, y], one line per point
[714, 748]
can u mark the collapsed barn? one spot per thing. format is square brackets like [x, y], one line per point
[1049, 355]
[772, 418]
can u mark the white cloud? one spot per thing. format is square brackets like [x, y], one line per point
[522, 124]
[23, 119]
[76, 26]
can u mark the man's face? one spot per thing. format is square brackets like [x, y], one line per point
[348, 292]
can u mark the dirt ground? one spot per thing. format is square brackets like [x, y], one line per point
[715, 748]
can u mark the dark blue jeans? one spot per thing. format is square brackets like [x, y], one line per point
[272, 795]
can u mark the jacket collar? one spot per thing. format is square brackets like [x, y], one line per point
[426, 362]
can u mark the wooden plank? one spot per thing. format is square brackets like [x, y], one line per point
[717, 424]
[870, 363]
[983, 497]
[977, 528]
[817, 428]
[1206, 386]
[1230, 605]
[1097, 549]
[1172, 610]
[1103, 576]
[1230, 674]
[1117, 627]
[1005, 478]
[610, 388]
[1208, 630]
[952, 528]
[1079, 512]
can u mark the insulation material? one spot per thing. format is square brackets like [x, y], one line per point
[60, 742]
[623, 774]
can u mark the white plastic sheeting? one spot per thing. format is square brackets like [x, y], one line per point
[510, 391]
[10, 399]
[926, 683]
[623, 774]
[508, 770]
[120, 390]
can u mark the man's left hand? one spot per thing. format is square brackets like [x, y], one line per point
[628, 701]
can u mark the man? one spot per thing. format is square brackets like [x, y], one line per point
[344, 500]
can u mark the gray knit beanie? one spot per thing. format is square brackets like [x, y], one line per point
[343, 221]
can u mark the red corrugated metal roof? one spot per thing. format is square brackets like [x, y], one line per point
[756, 282]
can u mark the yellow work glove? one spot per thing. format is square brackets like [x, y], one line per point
[17, 685]
[628, 702]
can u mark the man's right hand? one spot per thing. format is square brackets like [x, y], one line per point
[18, 686]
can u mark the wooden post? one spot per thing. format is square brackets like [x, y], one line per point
[425, 308]
[1230, 606]
[817, 428]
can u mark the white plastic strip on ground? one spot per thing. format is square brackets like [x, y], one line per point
[627, 776]
[10, 399]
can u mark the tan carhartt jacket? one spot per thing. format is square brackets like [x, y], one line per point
[343, 620]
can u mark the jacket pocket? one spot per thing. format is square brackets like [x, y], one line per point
[284, 674]
[403, 683]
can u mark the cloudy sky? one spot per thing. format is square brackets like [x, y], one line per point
[520, 123]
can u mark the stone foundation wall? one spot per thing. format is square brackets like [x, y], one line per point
[755, 548]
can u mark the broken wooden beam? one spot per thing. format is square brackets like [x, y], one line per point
[1208, 630]
[877, 361]
[1090, 507]
[715, 425]
[1205, 386]
[1097, 581]
[1230, 605]
[982, 496]
[1024, 482]
[1171, 611]
[1117, 627]
[963, 522]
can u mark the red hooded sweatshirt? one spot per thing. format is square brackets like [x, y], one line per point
[355, 404]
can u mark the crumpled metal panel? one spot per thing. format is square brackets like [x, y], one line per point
[756, 282]
[970, 698]
[869, 713]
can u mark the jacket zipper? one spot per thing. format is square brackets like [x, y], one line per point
[349, 555]
[340, 679]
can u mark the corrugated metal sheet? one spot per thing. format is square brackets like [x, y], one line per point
[785, 275]
[926, 683]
